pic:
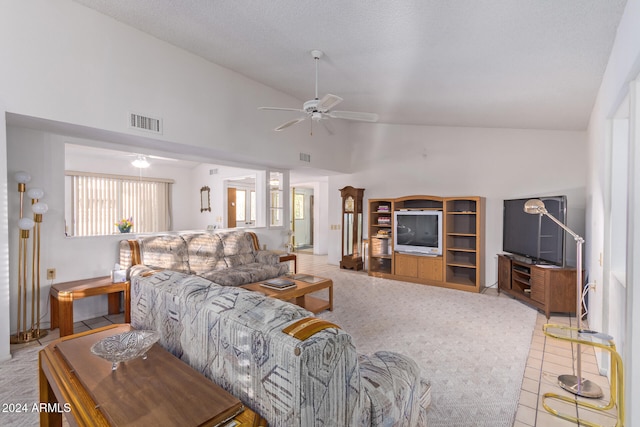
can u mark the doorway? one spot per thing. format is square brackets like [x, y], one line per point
[302, 214]
[241, 202]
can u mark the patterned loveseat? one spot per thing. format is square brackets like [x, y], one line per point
[229, 258]
[235, 337]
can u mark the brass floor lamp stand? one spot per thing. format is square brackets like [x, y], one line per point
[32, 332]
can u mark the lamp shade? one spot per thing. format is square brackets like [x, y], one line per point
[35, 193]
[26, 224]
[39, 208]
[535, 206]
[22, 177]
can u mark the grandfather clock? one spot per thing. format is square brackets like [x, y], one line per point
[351, 228]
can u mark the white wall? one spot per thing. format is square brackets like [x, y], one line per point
[5, 297]
[394, 161]
[95, 79]
[622, 68]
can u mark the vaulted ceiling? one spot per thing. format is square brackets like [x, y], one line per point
[489, 63]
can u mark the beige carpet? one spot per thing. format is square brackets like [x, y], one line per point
[19, 387]
[473, 348]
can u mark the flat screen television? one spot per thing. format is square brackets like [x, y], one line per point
[535, 236]
[418, 232]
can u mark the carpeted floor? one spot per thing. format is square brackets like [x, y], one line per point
[472, 347]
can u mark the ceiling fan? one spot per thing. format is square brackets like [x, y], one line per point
[319, 109]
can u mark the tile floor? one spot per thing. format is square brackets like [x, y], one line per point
[548, 358]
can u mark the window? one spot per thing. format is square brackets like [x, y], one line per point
[241, 205]
[96, 202]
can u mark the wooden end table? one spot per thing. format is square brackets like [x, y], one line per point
[161, 390]
[300, 293]
[62, 296]
[290, 257]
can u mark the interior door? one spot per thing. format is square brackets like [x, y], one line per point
[231, 207]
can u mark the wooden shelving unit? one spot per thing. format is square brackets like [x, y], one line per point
[461, 265]
[464, 225]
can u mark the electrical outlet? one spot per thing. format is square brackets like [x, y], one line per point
[51, 273]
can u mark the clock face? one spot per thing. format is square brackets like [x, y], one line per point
[348, 204]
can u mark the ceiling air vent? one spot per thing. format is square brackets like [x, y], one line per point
[146, 123]
[305, 157]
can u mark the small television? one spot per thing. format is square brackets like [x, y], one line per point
[418, 232]
[535, 236]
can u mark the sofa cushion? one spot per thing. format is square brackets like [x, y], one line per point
[244, 274]
[165, 252]
[239, 248]
[205, 251]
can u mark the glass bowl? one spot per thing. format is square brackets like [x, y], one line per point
[125, 346]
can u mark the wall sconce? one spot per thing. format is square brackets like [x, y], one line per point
[32, 332]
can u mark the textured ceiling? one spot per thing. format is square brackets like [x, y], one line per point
[487, 63]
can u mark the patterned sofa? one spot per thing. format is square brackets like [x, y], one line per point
[235, 337]
[229, 258]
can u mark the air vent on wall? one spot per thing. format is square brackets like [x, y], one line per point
[146, 123]
[305, 157]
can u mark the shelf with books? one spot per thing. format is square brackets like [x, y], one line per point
[380, 237]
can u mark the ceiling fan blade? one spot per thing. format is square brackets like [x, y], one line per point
[353, 115]
[162, 158]
[281, 109]
[328, 102]
[290, 123]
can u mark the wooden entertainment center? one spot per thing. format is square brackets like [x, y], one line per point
[461, 265]
[547, 288]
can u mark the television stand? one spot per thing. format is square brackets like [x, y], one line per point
[548, 288]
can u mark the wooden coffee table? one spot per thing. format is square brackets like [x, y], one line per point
[161, 390]
[300, 293]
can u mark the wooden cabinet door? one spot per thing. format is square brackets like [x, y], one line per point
[406, 265]
[504, 272]
[538, 281]
[430, 268]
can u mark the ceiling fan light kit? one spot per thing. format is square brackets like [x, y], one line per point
[318, 109]
[141, 162]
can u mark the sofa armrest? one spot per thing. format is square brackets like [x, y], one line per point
[139, 270]
[398, 394]
[267, 257]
